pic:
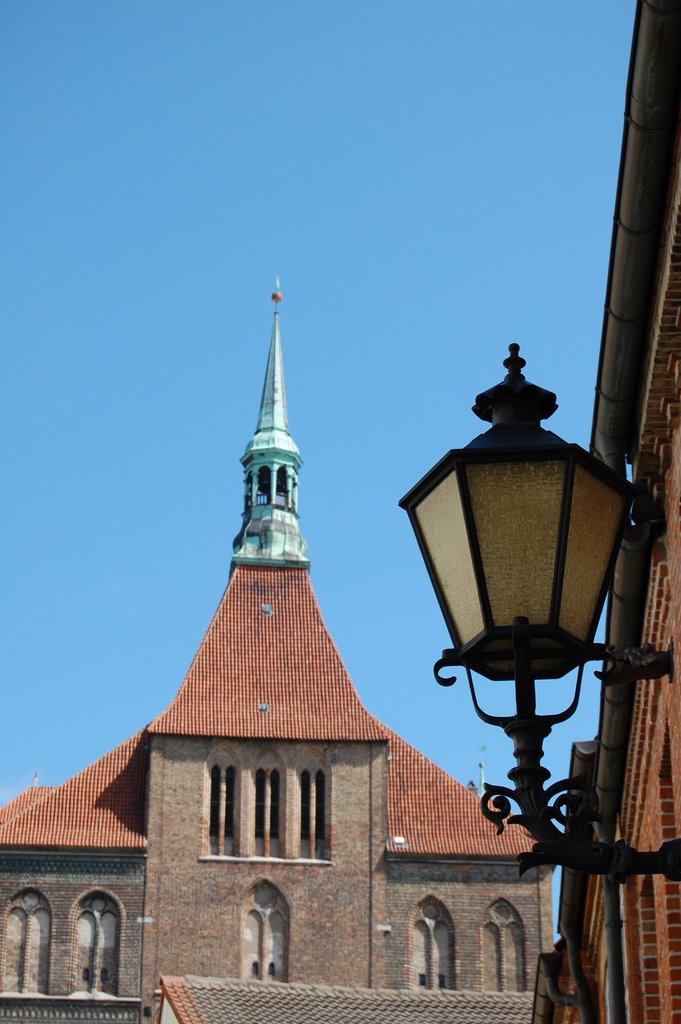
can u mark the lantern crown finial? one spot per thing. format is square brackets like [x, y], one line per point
[514, 362]
[515, 399]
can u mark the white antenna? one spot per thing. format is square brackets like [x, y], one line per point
[481, 766]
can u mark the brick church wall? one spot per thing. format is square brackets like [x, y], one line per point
[64, 879]
[195, 901]
[467, 890]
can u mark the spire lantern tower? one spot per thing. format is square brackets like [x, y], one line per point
[269, 533]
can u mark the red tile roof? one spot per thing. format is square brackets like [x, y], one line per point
[29, 796]
[268, 645]
[437, 815]
[102, 806]
[286, 659]
[229, 1001]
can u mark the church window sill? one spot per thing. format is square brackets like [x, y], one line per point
[264, 860]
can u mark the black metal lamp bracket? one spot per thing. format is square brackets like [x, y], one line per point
[560, 817]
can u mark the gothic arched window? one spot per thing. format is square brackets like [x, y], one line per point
[432, 947]
[265, 935]
[313, 814]
[222, 810]
[27, 944]
[97, 934]
[503, 949]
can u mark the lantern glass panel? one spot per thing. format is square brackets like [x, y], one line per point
[516, 507]
[595, 518]
[441, 520]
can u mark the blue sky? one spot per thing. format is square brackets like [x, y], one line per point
[431, 181]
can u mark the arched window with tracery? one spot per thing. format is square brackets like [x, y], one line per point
[313, 814]
[265, 935]
[432, 946]
[267, 812]
[27, 944]
[221, 825]
[503, 949]
[97, 937]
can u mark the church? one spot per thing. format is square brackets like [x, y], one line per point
[264, 828]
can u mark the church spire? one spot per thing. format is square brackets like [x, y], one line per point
[269, 532]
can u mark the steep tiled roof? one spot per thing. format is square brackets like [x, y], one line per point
[102, 806]
[268, 645]
[224, 1001]
[27, 797]
[436, 814]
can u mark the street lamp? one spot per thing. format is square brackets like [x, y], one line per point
[519, 531]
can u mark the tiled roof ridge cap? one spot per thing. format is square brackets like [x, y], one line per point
[53, 791]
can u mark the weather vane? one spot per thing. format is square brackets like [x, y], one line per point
[276, 294]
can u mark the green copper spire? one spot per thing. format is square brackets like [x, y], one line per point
[269, 532]
[273, 402]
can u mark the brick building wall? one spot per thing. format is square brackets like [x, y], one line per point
[332, 904]
[468, 890]
[64, 880]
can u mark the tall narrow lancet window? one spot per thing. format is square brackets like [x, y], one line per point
[97, 931]
[282, 487]
[267, 812]
[222, 811]
[313, 814]
[27, 945]
[491, 957]
[432, 947]
[264, 486]
[265, 935]
[248, 487]
[503, 949]
[305, 849]
[274, 814]
[320, 815]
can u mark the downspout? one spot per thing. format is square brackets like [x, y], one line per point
[572, 892]
[649, 128]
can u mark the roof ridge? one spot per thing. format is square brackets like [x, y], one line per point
[41, 792]
[227, 983]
